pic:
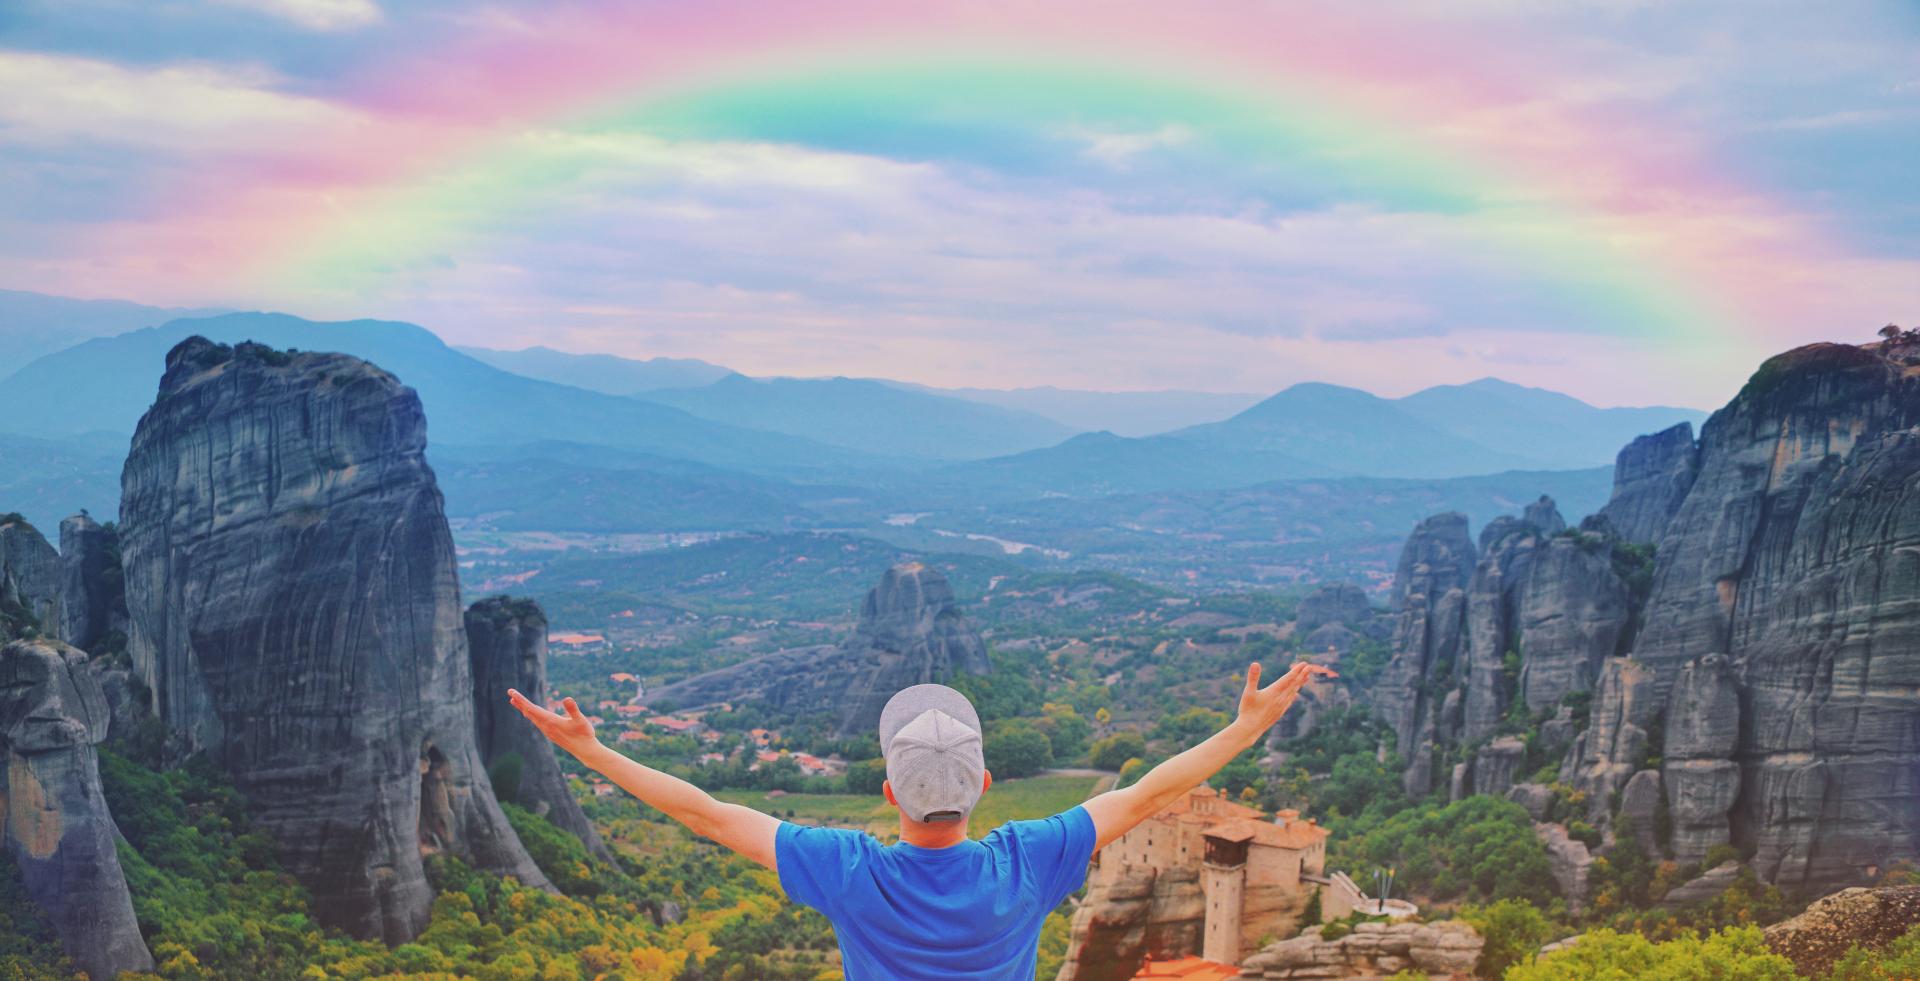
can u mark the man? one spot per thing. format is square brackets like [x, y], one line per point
[937, 904]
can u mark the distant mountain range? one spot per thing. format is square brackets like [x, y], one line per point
[605, 373]
[874, 416]
[35, 324]
[1318, 430]
[737, 452]
[1120, 413]
[106, 383]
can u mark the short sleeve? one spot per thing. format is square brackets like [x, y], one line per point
[816, 864]
[1056, 851]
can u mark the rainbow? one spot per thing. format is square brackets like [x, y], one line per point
[1602, 208]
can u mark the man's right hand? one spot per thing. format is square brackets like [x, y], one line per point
[1261, 707]
[571, 732]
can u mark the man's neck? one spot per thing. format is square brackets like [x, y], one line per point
[923, 835]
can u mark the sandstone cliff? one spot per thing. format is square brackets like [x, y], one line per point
[30, 580]
[92, 603]
[910, 632]
[1753, 679]
[508, 641]
[1650, 478]
[294, 609]
[56, 827]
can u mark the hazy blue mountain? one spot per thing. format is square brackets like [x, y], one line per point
[863, 414]
[47, 479]
[33, 324]
[1103, 463]
[1314, 429]
[106, 383]
[607, 373]
[1555, 429]
[555, 486]
[1120, 413]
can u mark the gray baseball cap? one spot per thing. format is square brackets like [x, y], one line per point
[930, 736]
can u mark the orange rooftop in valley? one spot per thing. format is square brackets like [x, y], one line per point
[1188, 969]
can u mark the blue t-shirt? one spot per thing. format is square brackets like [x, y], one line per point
[971, 910]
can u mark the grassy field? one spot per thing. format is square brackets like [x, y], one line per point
[1010, 800]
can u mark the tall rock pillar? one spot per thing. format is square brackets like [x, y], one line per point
[291, 585]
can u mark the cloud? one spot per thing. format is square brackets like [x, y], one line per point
[1117, 149]
[317, 15]
[59, 98]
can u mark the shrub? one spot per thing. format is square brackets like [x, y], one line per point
[1513, 931]
[1738, 954]
[1900, 960]
[1114, 751]
[1017, 750]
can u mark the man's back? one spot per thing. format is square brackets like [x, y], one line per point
[970, 910]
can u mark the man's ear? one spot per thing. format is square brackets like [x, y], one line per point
[886, 789]
[988, 782]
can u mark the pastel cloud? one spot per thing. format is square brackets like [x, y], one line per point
[317, 15]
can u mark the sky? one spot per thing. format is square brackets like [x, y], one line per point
[1634, 203]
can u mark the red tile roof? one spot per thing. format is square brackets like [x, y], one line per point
[1188, 969]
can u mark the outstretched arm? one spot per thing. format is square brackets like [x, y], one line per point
[1115, 812]
[742, 829]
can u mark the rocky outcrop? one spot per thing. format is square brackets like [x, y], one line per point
[507, 639]
[1495, 766]
[56, 826]
[1701, 778]
[910, 632]
[1340, 603]
[1870, 918]
[1640, 803]
[1615, 743]
[92, 601]
[1429, 601]
[1767, 673]
[1571, 613]
[1449, 948]
[294, 609]
[1126, 918]
[1569, 861]
[1702, 887]
[30, 580]
[1651, 476]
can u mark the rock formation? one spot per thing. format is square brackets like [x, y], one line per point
[1449, 948]
[30, 580]
[910, 632]
[508, 642]
[1650, 478]
[1330, 603]
[93, 604]
[1569, 861]
[1758, 673]
[1429, 601]
[295, 612]
[56, 827]
[1870, 918]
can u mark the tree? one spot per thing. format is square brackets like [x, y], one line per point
[1738, 954]
[1114, 751]
[1513, 931]
[1890, 332]
[1017, 750]
[866, 776]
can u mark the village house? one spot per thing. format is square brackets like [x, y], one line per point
[1249, 877]
[674, 725]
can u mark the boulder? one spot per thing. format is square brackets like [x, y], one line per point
[910, 632]
[1704, 886]
[1870, 918]
[507, 640]
[56, 827]
[1448, 948]
[1640, 807]
[1651, 476]
[295, 610]
[1569, 861]
[1536, 798]
[1495, 764]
